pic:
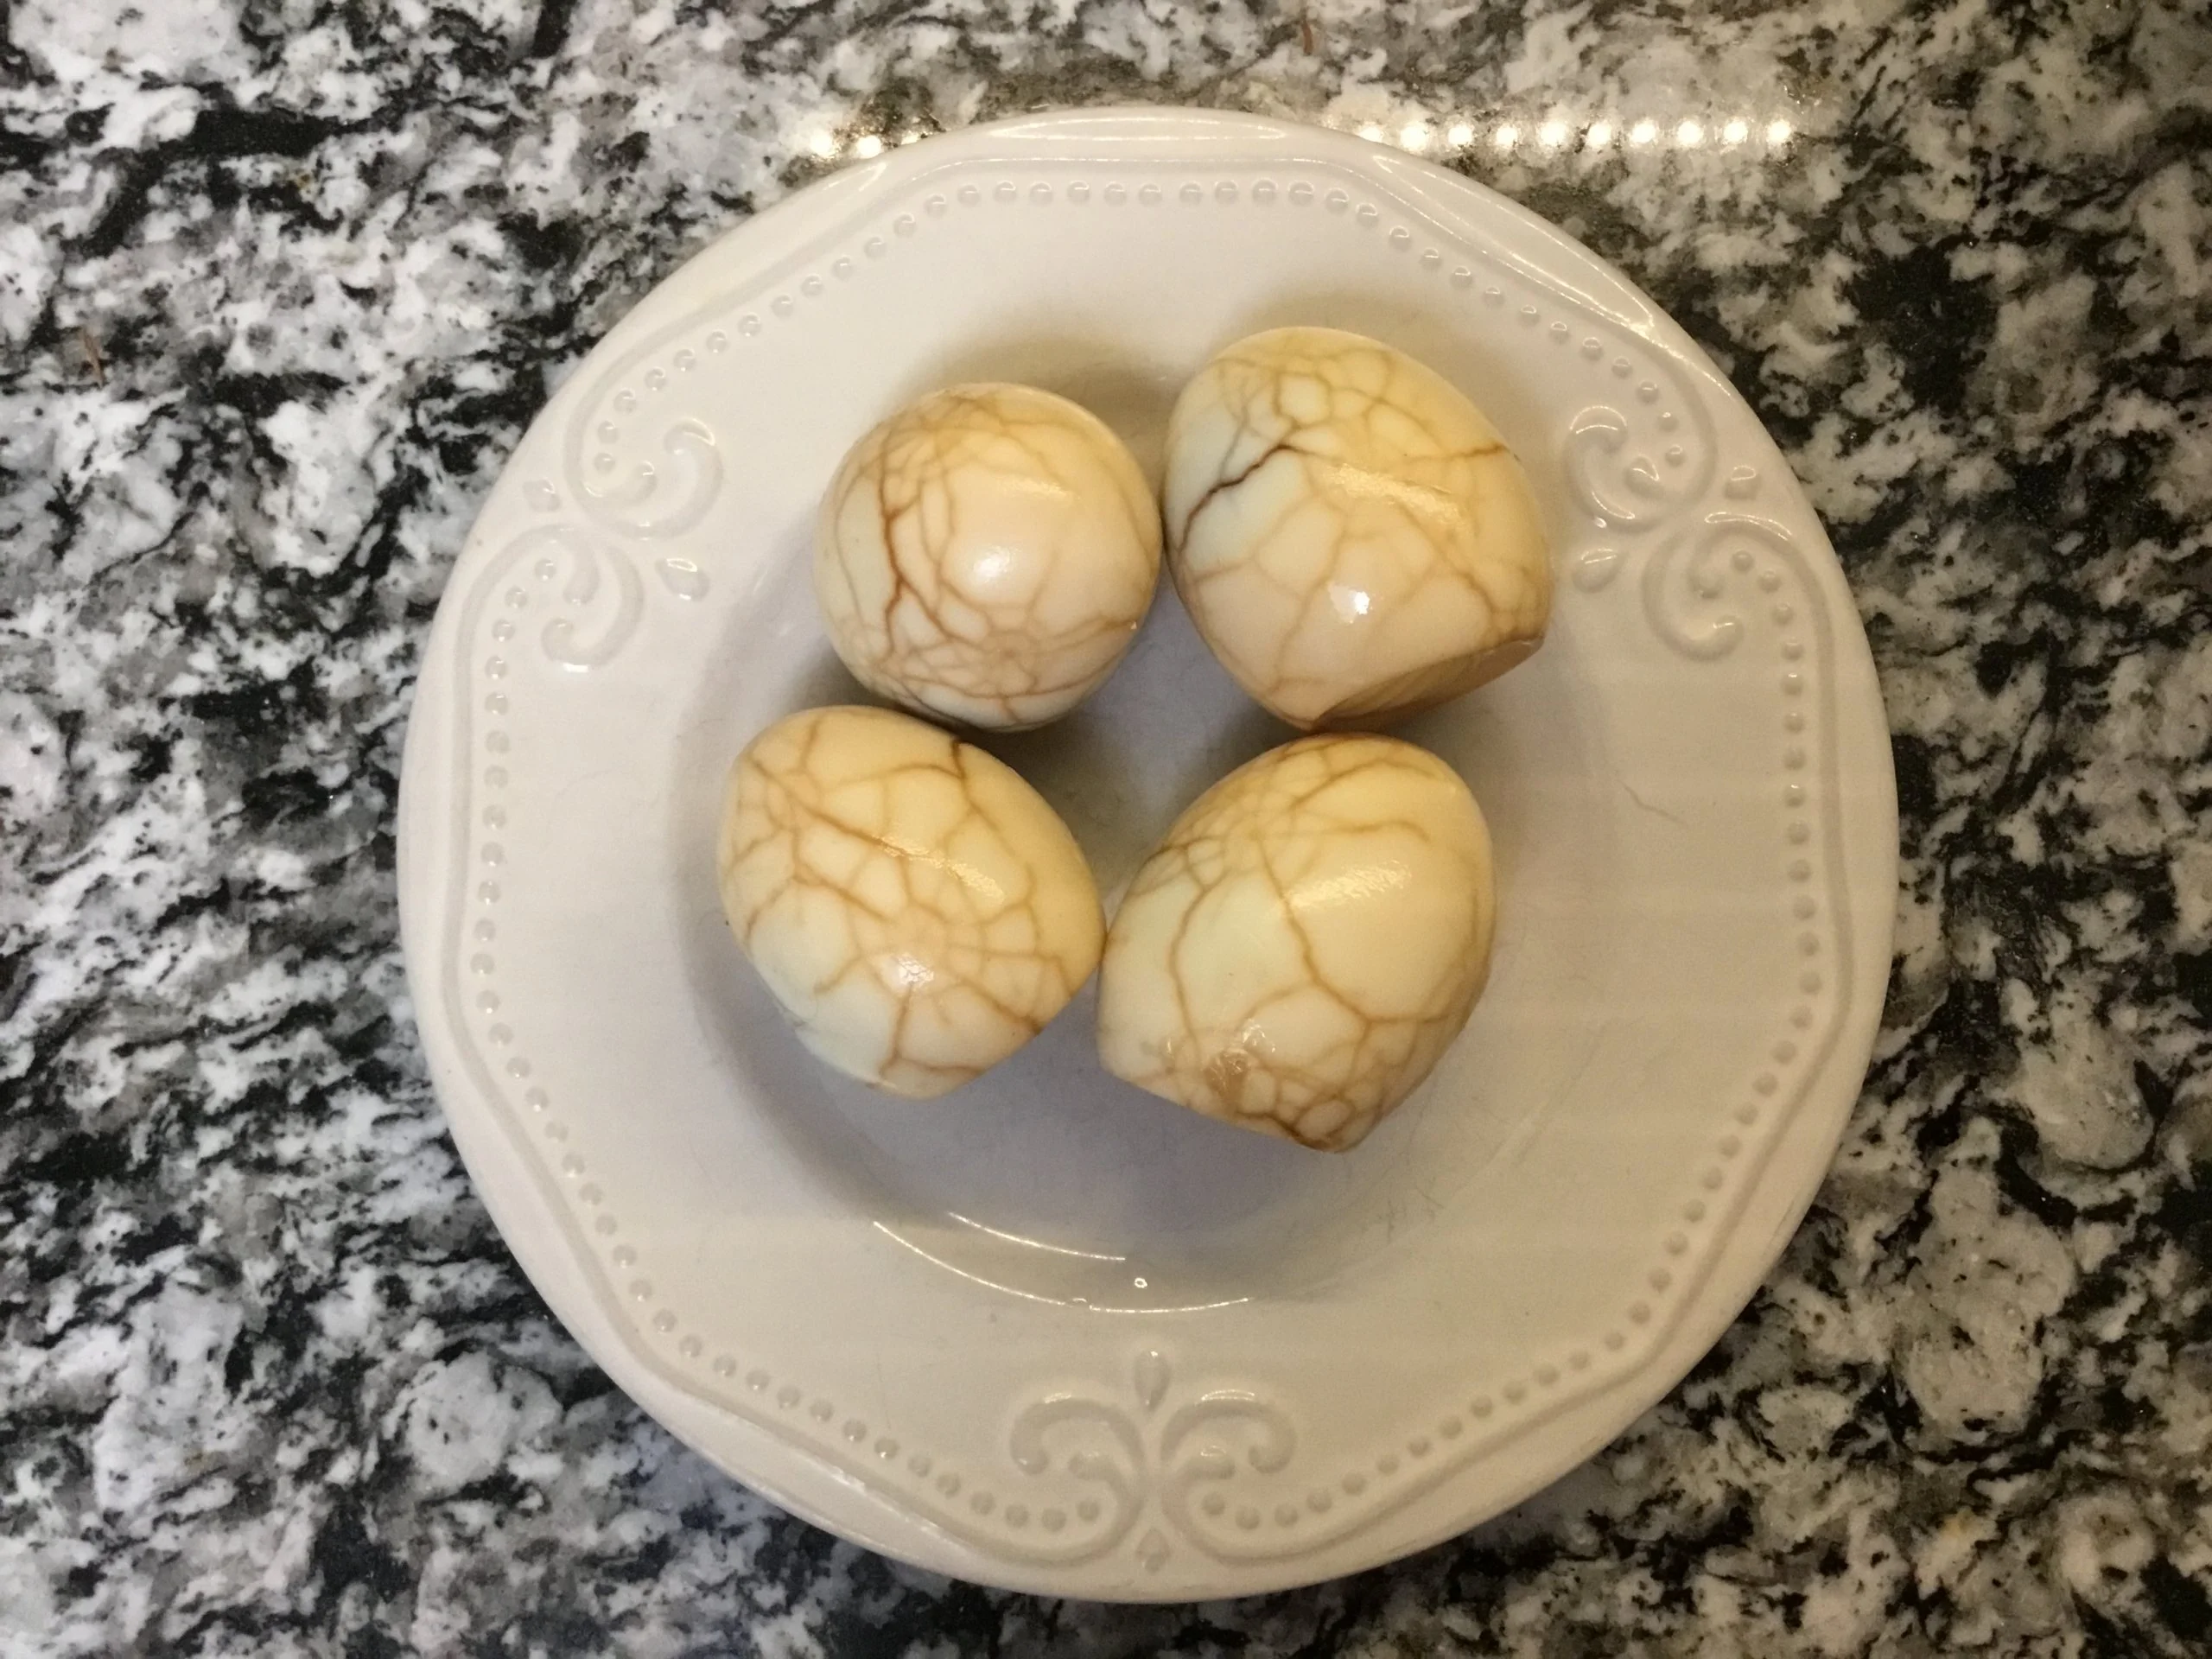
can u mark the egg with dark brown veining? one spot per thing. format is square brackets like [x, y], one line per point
[919, 911]
[1305, 944]
[1350, 533]
[986, 555]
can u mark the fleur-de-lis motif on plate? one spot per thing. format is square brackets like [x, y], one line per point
[593, 589]
[1686, 578]
[1142, 1458]
[648, 502]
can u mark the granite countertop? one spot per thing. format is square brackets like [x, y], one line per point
[280, 285]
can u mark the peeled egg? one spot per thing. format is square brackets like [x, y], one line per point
[1348, 531]
[916, 908]
[986, 555]
[1305, 943]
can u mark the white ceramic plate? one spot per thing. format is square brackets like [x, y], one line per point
[1050, 1332]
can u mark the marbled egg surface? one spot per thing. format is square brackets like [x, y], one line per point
[986, 555]
[1305, 944]
[1350, 533]
[919, 911]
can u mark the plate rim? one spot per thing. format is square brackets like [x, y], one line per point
[533, 1231]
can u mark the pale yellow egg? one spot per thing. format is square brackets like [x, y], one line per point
[1305, 943]
[986, 555]
[1348, 532]
[916, 909]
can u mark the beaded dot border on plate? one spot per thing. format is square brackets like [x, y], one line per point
[488, 894]
[1261, 192]
[1483, 1410]
[497, 746]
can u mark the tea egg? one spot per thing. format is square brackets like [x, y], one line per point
[1348, 532]
[917, 910]
[986, 555]
[1305, 943]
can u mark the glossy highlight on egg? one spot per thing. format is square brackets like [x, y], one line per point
[1305, 944]
[1348, 532]
[917, 911]
[986, 555]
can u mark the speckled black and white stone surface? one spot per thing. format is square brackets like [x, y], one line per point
[280, 281]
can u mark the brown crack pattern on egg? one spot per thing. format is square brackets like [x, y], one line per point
[1305, 943]
[986, 556]
[1348, 532]
[916, 909]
